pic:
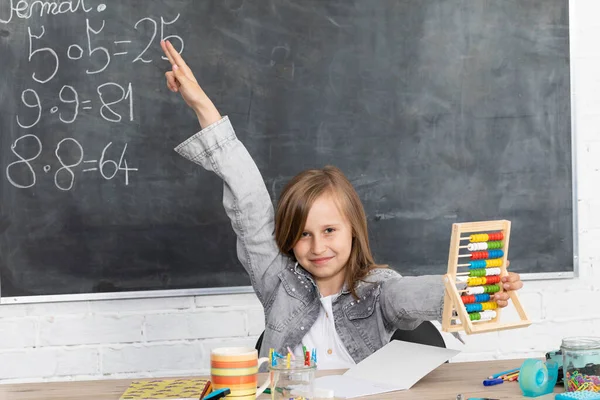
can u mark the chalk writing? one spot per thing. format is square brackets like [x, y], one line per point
[92, 55]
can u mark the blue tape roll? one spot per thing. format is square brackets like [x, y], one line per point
[537, 378]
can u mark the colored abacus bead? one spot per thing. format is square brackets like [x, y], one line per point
[496, 236]
[475, 307]
[484, 245]
[497, 262]
[485, 237]
[478, 255]
[468, 299]
[484, 280]
[495, 254]
[476, 298]
[477, 264]
[489, 280]
[483, 316]
[479, 237]
[484, 272]
[491, 288]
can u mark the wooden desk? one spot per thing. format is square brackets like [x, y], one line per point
[444, 383]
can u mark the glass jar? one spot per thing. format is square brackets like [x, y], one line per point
[292, 381]
[581, 363]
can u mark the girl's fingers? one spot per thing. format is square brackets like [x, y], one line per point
[501, 299]
[179, 75]
[175, 57]
[513, 285]
[167, 52]
[502, 296]
[172, 83]
[178, 60]
[512, 281]
[511, 277]
[502, 303]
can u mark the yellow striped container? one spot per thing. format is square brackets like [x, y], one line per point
[236, 368]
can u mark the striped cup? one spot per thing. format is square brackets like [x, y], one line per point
[236, 368]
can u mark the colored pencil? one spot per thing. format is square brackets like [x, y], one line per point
[503, 373]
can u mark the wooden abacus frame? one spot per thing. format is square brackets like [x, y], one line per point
[452, 299]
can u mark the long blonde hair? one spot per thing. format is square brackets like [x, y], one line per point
[295, 202]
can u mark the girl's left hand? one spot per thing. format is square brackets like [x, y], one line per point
[510, 282]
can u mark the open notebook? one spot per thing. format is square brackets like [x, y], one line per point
[167, 389]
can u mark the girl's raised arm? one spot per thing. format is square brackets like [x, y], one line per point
[245, 197]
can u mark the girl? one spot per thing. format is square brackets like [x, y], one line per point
[316, 279]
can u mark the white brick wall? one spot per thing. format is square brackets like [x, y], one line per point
[122, 338]
[171, 336]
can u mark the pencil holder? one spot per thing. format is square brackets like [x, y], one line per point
[292, 381]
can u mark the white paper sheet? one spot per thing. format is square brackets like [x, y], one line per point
[396, 366]
[344, 387]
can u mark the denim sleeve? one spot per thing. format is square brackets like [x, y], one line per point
[245, 198]
[406, 301]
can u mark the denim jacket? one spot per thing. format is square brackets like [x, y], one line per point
[386, 300]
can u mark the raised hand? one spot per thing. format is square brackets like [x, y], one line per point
[181, 79]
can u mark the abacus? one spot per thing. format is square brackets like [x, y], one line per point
[477, 258]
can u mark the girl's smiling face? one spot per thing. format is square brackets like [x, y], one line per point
[325, 245]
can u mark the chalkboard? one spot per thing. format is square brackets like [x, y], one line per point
[439, 111]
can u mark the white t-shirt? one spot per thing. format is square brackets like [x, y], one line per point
[331, 352]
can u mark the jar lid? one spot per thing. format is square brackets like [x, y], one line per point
[581, 343]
